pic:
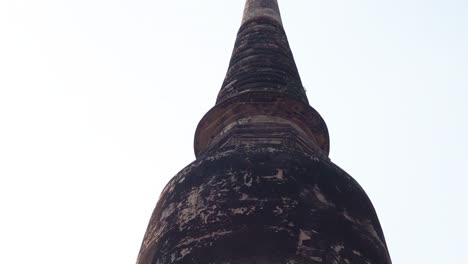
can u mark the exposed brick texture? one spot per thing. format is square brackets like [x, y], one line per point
[262, 189]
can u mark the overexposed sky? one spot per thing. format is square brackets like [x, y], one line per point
[99, 101]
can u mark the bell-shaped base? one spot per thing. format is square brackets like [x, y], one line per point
[263, 204]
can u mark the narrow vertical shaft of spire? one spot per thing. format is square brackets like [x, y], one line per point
[262, 60]
[261, 8]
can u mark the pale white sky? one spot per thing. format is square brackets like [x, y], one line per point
[99, 101]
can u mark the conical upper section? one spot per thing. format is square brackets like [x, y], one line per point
[262, 87]
[262, 59]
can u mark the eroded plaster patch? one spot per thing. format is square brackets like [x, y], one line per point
[279, 176]
[321, 197]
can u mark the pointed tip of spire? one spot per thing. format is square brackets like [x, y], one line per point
[261, 8]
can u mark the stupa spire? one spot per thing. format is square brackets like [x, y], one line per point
[261, 8]
[262, 59]
[262, 83]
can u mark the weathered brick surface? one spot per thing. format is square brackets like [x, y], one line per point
[271, 104]
[262, 61]
[263, 189]
[263, 204]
